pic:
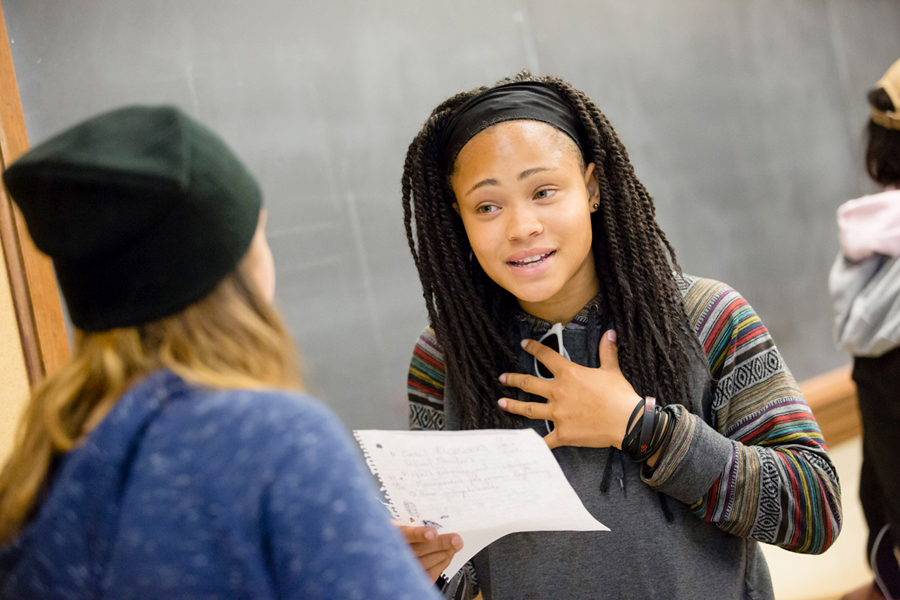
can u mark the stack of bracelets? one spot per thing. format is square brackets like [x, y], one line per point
[648, 432]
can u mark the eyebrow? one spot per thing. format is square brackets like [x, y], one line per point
[523, 175]
[529, 172]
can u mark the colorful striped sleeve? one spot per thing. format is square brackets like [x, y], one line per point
[761, 468]
[425, 384]
[425, 387]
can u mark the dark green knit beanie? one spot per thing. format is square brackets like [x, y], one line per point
[143, 211]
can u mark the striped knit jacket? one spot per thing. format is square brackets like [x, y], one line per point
[778, 486]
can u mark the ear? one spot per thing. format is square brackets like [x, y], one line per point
[593, 187]
[456, 207]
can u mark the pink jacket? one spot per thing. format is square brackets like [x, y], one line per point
[870, 225]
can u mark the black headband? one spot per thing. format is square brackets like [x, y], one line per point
[528, 100]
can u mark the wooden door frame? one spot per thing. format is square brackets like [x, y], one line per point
[39, 313]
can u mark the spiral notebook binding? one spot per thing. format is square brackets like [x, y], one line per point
[388, 502]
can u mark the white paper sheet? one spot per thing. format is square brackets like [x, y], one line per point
[480, 484]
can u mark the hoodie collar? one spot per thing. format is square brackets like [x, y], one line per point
[579, 321]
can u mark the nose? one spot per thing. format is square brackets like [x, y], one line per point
[522, 223]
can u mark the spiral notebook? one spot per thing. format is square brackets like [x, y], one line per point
[480, 484]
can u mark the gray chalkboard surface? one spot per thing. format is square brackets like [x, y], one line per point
[743, 118]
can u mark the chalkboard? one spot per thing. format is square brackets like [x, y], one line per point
[743, 118]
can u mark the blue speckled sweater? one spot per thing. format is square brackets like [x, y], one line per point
[186, 493]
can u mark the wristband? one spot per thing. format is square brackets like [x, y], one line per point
[649, 423]
[649, 432]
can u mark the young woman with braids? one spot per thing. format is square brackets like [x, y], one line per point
[174, 456]
[523, 211]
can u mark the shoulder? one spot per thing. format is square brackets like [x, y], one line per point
[721, 318]
[709, 301]
[265, 422]
[702, 293]
[264, 405]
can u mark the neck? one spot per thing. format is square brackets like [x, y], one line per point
[565, 304]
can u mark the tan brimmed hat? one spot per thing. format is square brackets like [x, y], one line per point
[890, 83]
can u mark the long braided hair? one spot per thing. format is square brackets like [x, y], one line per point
[471, 315]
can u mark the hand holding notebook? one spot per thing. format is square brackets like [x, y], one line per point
[480, 484]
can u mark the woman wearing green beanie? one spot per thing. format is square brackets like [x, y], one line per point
[174, 455]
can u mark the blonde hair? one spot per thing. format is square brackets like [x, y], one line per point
[232, 338]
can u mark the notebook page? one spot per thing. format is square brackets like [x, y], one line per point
[480, 484]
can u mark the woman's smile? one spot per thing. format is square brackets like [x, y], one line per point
[531, 262]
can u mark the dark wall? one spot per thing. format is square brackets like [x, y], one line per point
[743, 118]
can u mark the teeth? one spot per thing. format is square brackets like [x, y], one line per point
[531, 259]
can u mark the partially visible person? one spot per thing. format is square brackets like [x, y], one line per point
[865, 291]
[174, 456]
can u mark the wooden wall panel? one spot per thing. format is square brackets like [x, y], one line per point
[14, 380]
[30, 274]
[832, 398]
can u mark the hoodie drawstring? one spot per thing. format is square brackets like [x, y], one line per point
[593, 341]
[665, 507]
[607, 471]
[593, 361]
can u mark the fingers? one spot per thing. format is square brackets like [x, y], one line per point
[435, 571]
[437, 559]
[417, 535]
[429, 545]
[609, 351]
[435, 555]
[532, 410]
[446, 550]
[551, 359]
[528, 383]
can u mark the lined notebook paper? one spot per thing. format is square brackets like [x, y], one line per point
[480, 484]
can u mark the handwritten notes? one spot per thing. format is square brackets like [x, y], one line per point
[480, 484]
